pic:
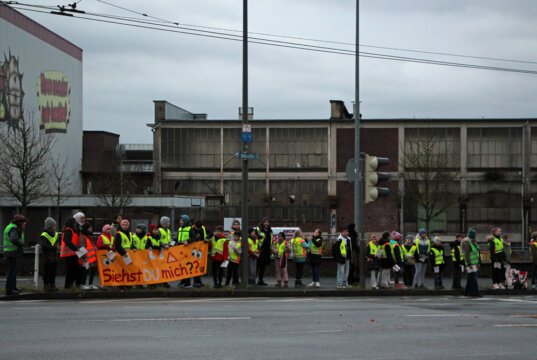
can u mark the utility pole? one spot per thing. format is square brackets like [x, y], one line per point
[358, 181]
[244, 195]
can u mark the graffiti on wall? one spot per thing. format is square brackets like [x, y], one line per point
[53, 90]
[11, 93]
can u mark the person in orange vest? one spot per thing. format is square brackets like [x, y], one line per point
[106, 239]
[87, 262]
[69, 247]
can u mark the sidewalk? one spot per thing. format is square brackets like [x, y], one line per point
[328, 289]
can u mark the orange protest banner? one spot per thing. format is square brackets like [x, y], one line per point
[153, 266]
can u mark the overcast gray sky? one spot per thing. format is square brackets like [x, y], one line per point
[125, 68]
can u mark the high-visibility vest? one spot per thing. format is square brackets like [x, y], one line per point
[533, 243]
[126, 241]
[253, 244]
[453, 256]
[498, 245]
[417, 242]
[8, 245]
[298, 251]
[408, 255]
[107, 240]
[51, 240]
[218, 246]
[384, 256]
[474, 255]
[233, 256]
[262, 237]
[316, 250]
[438, 256]
[137, 243]
[154, 243]
[183, 234]
[91, 255]
[281, 249]
[400, 252]
[165, 236]
[343, 249]
[373, 249]
[65, 250]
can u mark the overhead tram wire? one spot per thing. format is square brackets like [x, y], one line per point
[283, 44]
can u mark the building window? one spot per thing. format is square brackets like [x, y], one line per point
[533, 151]
[494, 147]
[298, 148]
[191, 148]
[233, 144]
[443, 143]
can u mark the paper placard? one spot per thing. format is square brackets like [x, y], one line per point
[127, 259]
[436, 269]
[111, 255]
[471, 269]
[224, 264]
[497, 265]
[81, 252]
[396, 268]
[150, 254]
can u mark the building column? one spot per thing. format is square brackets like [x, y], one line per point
[400, 177]
[463, 145]
[332, 172]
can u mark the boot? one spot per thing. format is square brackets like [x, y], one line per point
[278, 283]
[286, 284]
[298, 283]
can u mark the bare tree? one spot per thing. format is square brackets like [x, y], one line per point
[429, 175]
[111, 187]
[60, 182]
[24, 165]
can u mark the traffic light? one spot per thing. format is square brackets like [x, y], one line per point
[372, 178]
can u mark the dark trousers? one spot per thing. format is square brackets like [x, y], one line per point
[354, 268]
[232, 272]
[396, 276]
[299, 270]
[472, 288]
[408, 274]
[438, 278]
[534, 275]
[49, 273]
[261, 265]
[91, 274]
[498, 275]
[12, 270]
[218, 272]
[456, 276]
[72, 271]
[316, 272]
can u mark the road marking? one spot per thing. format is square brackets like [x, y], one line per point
[515, 325]
[447, 315]
[519, 300]
[312, 332]
[182, 319]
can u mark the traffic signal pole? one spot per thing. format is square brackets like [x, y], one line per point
[244, 184]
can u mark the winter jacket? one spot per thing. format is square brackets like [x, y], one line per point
[101, 245]
[386, 261]
[533, 252]
[118, 241]
[49, 252]
[315, 259]
[493, 256]
[265, 247]
[455, 248]
[220, 257]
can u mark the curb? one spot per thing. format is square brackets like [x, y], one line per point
[255, 293]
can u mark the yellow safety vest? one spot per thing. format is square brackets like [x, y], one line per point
[281, 249]
[165, 236]
[154, 242]
[498, 245]
[343, 249]
[373, 249]
[183, 234]
[418, 246]
[137, 243]
[316, 250]
[438, 256]
[126, 241]
[298, 251]
[218, 246]
[474, 255]
[52, 240]
[253, 244]
[453, 257]
[233, 256]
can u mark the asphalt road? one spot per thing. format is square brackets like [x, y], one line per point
[263, 328]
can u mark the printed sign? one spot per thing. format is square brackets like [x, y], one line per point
[153, 266]
[53, 90]
[11, 94]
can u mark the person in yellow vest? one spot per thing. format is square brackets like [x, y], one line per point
[197, 233]
[300, 248]
[219, 254]
[373, 257]
[421, 255]
[235, 226]
[281, 250]
[49, 254]
[533, 253]
[409, 262]
[123, 240]
[139, 237]
[165, 232]
[14, 250]
[315, 257]
[253, 254]
[183, 231]
[106, 239]
[470, 251]
[457, 259]
[438, 262]
[497, 259]
[343, 254]
[235, 251]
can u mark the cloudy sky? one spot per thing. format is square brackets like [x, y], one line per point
[126, 68]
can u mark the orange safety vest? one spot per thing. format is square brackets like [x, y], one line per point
[65, 250]
[91, 255]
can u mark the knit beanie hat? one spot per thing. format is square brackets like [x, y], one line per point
[142, 226]
[152, 227]
[49, 223]
[106, 227]
[472, 233]
[164, 220]
[437, 238]
[186, 219]
[422, 231]
[396, 235]
[125, 221]
[410, 236]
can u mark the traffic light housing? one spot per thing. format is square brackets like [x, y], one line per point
[372, 178]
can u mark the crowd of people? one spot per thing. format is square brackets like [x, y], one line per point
[406, 259]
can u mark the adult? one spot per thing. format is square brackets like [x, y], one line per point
[49, 254]
[88, 262]
[457, 259]
[533, 252]
[421, 255]
[470, 252]
[299, 246]
[14, 250]
[372, 251]
[315, 257]
[343, 255]
[68, 250]
[116, 224]
[265, 246]
[497, 258]
[354, 265]
[386, 260]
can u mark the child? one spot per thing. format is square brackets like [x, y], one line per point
[299, 246]
[253, 255]
[49, 247]
[139, 238]
[409, 262]
[398, 258]
[314, 257]
[343, 257]
[106, 240]
[281, 250]
[219, 253]
[437, 260]
[373, 260]
[234, 248]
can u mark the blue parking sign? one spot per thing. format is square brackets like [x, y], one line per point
[246, 137]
